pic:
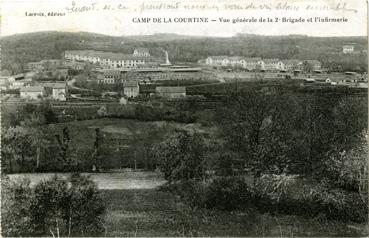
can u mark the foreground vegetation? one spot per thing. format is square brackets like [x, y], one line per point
[280, 153]
[81, 210]
[160, 213]
[265, 153]
[52, 208]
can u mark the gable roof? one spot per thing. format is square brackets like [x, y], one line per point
[292, 61]
[142, 49]
[219, 57]
[58, 86]
[103, 55]
[130, 84]
[18, 76]
[313, 61]
[239, 58]
[252, 59]
[46, 61]
[32, 89]
[109, 72]
[271, 61]
[55, 85]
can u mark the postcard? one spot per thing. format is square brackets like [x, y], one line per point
[242, 118]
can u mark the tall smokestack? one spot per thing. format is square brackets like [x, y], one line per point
[167, 62]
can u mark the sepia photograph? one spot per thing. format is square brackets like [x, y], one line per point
[184, 118]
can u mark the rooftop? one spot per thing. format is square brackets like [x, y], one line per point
[59, 86]
[171, 89]
[130, 84]
[103, 55]
[236, 58]
[291, 61]
[113, 72]
[252, 58]
[18, 76]
[32, 89]
[313, 61]
[52, 85]
[271, 60]
[222, 57]
[141, 49]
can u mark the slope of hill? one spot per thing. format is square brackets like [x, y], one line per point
[19, 49]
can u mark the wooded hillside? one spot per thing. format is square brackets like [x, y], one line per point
[19, 49]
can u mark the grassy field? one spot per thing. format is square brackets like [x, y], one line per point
[125, 142]
[154, 212]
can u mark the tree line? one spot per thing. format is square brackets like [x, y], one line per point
[297, 154]
[31, 143]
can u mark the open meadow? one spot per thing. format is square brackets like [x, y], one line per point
[104, 181]
[126, 143]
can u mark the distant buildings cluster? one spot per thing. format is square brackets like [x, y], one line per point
[49, 68]
[137, 71]
[132, 89]
[14, 82]
[353, 48]
[55, 91]
[45, 65]
[348, 48]
[32, 90]
[257, 63]
[140, 57]
[131, 70]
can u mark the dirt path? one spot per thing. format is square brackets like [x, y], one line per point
[120, 181]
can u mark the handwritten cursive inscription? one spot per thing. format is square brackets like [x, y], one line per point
[74, 8]
[145, 6]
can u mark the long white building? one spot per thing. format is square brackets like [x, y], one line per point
[112, 60]
[258, 63]
[236, 61]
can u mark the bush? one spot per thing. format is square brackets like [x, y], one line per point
[181, 156]
[277, 194]
[229, 193]
[88, 205]
[15, 213]
[349, 170]
[53, 208]
[49, 208]
[191, 192]
[223, 193]
[334, 203]
[44, 111]
[274, 193]
[284, 194]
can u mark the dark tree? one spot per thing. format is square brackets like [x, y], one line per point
[64, 151]
[182, 156]
[97, 150]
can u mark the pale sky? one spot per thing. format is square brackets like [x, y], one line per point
[118, 22]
